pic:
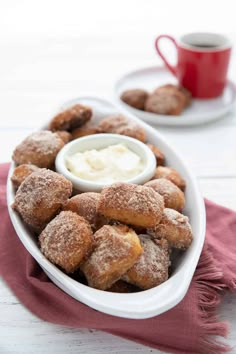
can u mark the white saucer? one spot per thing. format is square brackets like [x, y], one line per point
[200, 111]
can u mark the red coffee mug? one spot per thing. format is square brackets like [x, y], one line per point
[202, 62]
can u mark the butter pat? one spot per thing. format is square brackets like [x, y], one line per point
[112, 164]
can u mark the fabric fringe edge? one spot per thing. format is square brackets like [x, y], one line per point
[210, 287]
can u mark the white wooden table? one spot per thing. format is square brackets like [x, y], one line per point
[38, 71]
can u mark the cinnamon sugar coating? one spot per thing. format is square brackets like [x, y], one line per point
[171, 174]
[39, 148]
[135, 98]
[85, 205]
[119, 124]
[164, 103]
[67, 241]
[175, 228]
[131, 204]
[71, 118]
[183, 95]
[179, 91]
[151, 268]
[21, 172]
[173, 196]
[116, 249]
[64, 135]
[40, 197]
[167, 99]
[160, 157]
[85, 130]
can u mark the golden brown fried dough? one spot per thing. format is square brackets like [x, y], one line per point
[151, 268]
[85, 204]
[40, 197]
[119, 124]
[175, 228]
[21, 172]
[71, 118]
[131, 204]
[171, 174]
[39, 148]
[84, 131]
[116, 249]
[67, 241]
[160, 157]
[179, 92]
[135, 98]
[173, 196]
[164, 102]
[64, 135]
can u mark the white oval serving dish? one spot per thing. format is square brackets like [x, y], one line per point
[144, 304]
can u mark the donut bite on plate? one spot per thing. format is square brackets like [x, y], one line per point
[151, 268]
[131, 204]
[85, 130]
[116, 248]
[173, 196]
[41, 196]
[181, 94]
[160, 157]
[39, 148]
[67, 241]
[71, 118]
[135, 98]
[171, 174]
[119, 124]
[175, 228]
[21, 172]
[180, 91]
[162, 103]
[85, 204]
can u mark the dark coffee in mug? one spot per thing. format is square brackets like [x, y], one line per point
[204, 45]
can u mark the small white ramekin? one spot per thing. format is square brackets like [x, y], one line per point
[100, 141]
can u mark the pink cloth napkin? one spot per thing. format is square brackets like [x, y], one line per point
[190, 327]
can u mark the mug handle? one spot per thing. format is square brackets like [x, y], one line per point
[167, 64]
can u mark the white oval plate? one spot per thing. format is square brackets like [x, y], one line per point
[146, 303]
[199, 112]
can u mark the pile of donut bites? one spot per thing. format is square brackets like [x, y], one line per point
[119, 240]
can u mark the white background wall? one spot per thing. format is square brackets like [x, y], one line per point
[108, 17]
[37, 38]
